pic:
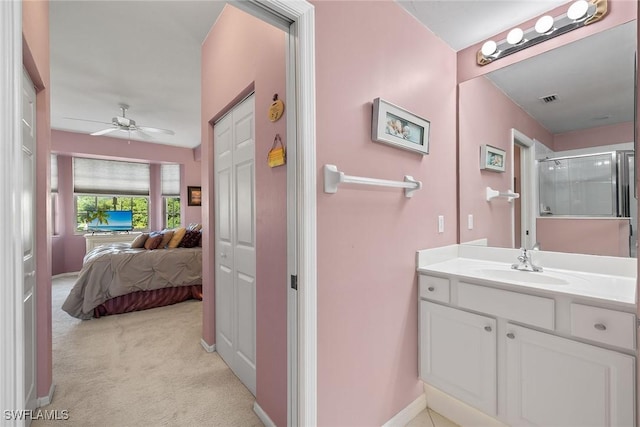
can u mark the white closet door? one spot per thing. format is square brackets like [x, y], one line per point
[234, 165]
[29, 237]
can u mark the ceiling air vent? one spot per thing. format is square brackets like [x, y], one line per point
[549, 98]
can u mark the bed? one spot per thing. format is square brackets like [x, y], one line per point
[117, 278]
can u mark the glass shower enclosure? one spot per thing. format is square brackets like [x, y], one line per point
[590, 185]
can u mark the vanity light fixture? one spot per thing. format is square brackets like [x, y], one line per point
[579, 14]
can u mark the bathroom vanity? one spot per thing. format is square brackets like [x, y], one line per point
[550, 348]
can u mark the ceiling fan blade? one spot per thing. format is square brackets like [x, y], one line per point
[85, 120]
[156, 130]
[104, 131]
[142, 134]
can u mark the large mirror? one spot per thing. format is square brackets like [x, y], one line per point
[565, 122]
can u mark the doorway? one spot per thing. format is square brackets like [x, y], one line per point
[523, 177]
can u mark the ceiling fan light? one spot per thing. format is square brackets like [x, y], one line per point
[544, 25]
[489, 48]
[578, 10]
[515, 36]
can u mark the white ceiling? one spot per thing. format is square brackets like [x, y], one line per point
[142, 53]
[147, 54]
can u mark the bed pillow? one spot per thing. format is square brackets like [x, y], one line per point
[167, 235]
[190, 239]
[194, 226]
[139, 241]
[178, 234]
[153, 241]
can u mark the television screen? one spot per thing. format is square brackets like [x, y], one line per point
[113, 221]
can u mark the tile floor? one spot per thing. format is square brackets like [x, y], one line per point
[429, 418]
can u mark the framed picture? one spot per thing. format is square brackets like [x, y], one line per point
[492, 158]
[395, 126]
[194, 196]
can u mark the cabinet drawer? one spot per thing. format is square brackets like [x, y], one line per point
[434, 288]
[528, 309]
[602, 325]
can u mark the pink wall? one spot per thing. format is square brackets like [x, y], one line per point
[227, 77]
[603, 236]
[486, 116]
[68, 144]
[368, 237]
[594, 137]
[619, 12]
[35, 45]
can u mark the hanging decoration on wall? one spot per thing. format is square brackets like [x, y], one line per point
[277, 155]
[276, 109]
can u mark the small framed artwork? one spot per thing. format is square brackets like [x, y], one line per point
[194, 196]
[492, 158]
[395, 126]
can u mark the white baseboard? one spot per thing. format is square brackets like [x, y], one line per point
[45, 400]
[458, 411]
[412, 410]
[207, 347]
[69, 274]
[263, 415]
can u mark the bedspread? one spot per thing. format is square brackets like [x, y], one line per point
[113, 270]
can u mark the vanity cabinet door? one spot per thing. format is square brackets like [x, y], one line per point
[458, 354]
[553, 381]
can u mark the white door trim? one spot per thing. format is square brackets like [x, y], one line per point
[528, 187]
[301, 137]
[11, 324]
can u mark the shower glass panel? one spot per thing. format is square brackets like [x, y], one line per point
[578, 186]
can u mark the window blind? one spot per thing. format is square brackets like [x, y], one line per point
[94, 176]
[170, 175]
[54, 173]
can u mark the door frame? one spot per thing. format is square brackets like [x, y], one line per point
[298, 18]
[528, 187]
[11, 270]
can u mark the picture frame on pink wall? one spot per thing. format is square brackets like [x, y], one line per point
[492, 158]
[398, 127]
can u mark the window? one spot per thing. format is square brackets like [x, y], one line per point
[106, 185]
[55, 229]
[170, 175]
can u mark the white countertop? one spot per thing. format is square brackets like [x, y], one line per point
[609, 280]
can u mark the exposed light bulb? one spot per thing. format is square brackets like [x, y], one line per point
[578, 10]
[544, 24]
[489, 48]
[515, 36]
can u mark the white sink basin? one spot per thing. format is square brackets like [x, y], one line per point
[531, 277]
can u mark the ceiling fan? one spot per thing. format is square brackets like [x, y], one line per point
[125, 124]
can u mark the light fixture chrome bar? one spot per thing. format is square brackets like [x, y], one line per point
[579, 14]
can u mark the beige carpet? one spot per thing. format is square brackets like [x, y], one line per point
[141, 369]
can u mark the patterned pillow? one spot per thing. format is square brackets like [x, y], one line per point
[153, 241]
[167, 235]
[178, 234]
[190, 239]
[139, 241]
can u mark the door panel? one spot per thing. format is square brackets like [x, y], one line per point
[29, 238]
[235, 241]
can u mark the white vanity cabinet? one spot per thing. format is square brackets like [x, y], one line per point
[554, 381]
[517, 355]
[458, 354]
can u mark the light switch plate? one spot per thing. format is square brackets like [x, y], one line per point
[440, 223]
[470, 222]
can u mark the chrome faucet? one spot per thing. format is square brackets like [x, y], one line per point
[526, 261]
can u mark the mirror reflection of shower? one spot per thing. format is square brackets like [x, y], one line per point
[591, 185]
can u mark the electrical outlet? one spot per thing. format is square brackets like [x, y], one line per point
[440, 223]
[470, 222]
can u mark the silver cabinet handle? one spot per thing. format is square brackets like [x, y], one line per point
[488, 328]
[33, 273]
[600, 327]
[511, 335]
[431, 289]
